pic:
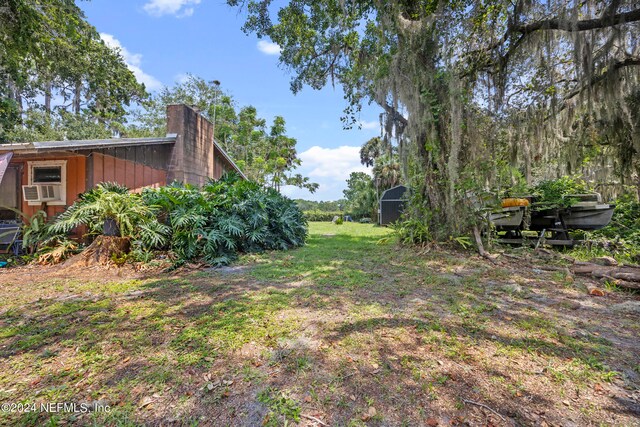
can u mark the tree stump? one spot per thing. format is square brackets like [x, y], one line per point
[104, 249]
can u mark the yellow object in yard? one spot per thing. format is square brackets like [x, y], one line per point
[511, 202]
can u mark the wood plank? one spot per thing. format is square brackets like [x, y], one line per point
[129, 174]
[98, 169]
[138, 176]
[120, 171]
[109, 169]
[81, 174]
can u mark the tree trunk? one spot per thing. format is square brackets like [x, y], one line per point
[76, 98]
[47, 98]
[638, 182]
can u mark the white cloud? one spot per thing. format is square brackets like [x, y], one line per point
[332, 164]
[329, 167]
[133, 61]
[268, 48]
[369, 125]
[181, 78]
[178, 8]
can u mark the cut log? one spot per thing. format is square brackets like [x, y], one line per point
[607, 261]
[595, 291]
[627, 277]
[621, 283]
[553, 268]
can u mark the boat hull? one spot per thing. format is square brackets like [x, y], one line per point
[508, 218]
[574, 218]
[588, 218]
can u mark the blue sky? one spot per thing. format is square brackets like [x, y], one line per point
[162, 40]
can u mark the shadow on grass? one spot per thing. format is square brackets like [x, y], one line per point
[176, 330]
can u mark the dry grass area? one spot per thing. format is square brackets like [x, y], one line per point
[346, 331]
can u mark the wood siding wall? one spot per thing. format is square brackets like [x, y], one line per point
[134, 175]
[76, 181]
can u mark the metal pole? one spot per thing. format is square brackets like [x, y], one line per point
[215, 104]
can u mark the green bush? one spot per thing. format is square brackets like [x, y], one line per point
[412, 232]
[552, 193]
[226, 217]
[212, 224]
[625, 223]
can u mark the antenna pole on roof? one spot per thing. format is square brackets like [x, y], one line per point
[215, 104]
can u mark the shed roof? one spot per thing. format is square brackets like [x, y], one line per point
[395, 193]
[83, 144]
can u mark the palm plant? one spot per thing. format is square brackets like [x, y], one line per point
[113, 202]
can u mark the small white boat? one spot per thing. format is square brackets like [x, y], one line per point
[508, 218]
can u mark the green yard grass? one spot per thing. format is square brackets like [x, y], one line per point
[350, 329]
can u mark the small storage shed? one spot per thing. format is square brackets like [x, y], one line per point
[391, 205]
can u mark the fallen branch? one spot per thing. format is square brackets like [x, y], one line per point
[515, 257]
[309, 417]
[620, 283]
[482, 405]
[553, 254]
[553, 268]
[598, 271]
[481, 251]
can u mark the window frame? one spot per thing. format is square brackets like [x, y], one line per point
[62, 164]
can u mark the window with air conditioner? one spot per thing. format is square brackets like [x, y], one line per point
[47, 183]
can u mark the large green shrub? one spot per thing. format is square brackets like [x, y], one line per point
[554, 193]
[226, 217]
[625, 223]
[213, 223]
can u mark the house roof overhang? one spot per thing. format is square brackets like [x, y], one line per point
[83, 144]
[228, 159]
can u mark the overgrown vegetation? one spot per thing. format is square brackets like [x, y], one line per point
[621, 238]
[557, 192]
[212, 224]
[134, 219]
[625, 223]
[226, 217]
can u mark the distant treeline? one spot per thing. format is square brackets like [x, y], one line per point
[316, 215]
[331, 206]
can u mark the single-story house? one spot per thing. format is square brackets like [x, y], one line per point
[50, 175]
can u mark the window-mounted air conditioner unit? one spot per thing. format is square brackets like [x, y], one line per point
[41, 193]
